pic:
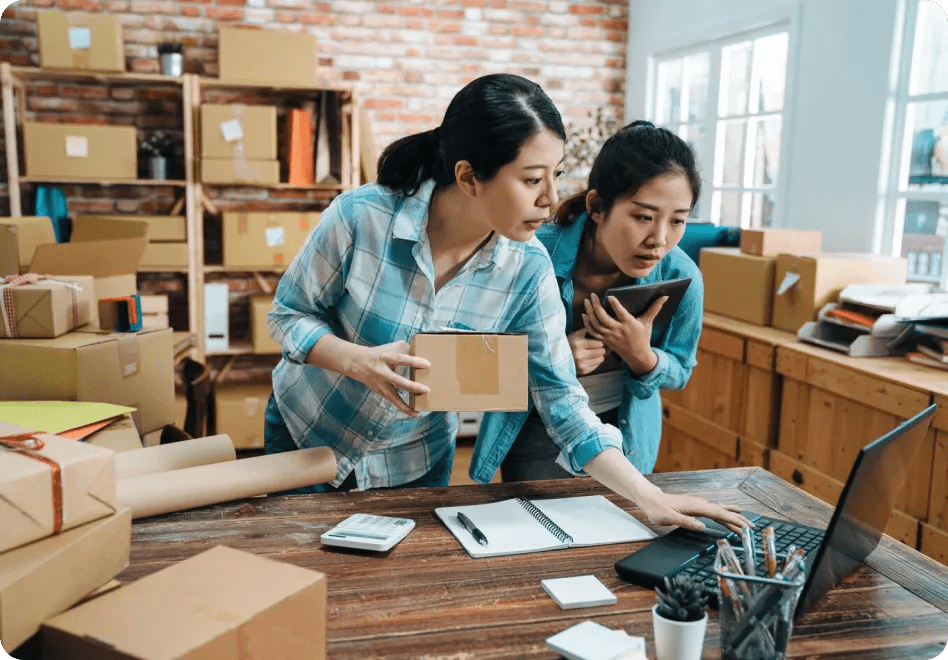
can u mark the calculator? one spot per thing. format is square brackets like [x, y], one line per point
[365, 531]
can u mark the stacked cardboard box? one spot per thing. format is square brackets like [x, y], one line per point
[19, 238]
[167, 236]
[268, 57]
[265, 240]
[80, 40]
[239, 144]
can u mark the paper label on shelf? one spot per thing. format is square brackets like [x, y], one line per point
[232, 130]
[789, 280]
[77, 146]
[80, 38]
[274, 236]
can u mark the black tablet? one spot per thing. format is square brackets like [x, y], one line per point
[637, 298]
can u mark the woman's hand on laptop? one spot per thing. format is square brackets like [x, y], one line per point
[670, 509]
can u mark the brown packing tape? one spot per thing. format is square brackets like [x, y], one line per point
[244, 170]
[478, 364]
[128, 355]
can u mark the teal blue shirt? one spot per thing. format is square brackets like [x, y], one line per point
[640, 413]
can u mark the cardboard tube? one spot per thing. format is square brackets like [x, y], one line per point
[177, 490]
[174, 456]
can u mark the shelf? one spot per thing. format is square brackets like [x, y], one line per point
[177, 183]
[316, 87]
[244, 269]
[162, 269]
[327, 187]
[33, 73]
[236, 348]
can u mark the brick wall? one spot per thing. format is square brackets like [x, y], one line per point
[406, 59]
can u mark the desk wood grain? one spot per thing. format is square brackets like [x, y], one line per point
[426, 598]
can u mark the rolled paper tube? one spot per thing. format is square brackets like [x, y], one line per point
[174, 456]
[178, 490]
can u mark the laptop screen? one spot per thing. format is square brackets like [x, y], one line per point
[875, 482]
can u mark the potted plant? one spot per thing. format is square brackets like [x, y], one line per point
[679, 619]
[171, 55]
[158, 147]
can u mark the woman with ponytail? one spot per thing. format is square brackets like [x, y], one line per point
[623, 229]
[444, 239]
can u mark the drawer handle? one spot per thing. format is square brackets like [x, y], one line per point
[797, 477]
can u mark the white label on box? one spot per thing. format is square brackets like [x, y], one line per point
[232, 130]
[77, 146]
[788, 281]
[80, 38]
[274, 236]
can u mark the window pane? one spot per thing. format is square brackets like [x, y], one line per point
[926, 126]
[762, 210]
[766, 151]
[769, 73]
[925, 226]
[729, 155]
[727, 208]
[668, 92]
[735, 79]
[929, 72]
[696, 71]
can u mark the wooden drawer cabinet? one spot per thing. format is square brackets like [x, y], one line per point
[938, 502]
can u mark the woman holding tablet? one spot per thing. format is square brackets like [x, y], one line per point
[623, 229]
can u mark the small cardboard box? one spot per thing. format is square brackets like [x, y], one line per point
[165, 255]
[771, 242]
[128, 369]
[240, 411]
[19, 238]
[738, 285]
[257, 172]
[267, 57]
[84, 488]
[238, 132]
[471, 371]
[47, 308]
[224, 604]
[804, 283]
[81, 151]
[46, 577]
[155, 311]
[80, 40]
[104, 227]
[268, 240]
[263, 343]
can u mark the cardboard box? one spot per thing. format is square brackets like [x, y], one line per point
[267, 57]
[263, 343]
[47, 308]
[155, 311]
[771, 242]
[165, 255]
[105, 227]
[128, 369]
[240, 411]
[268, 240]
[19, 238]
[224, 604]
[256, 172]
[84, 486]
[80, 151]
[80, 40]
[471, 371]
[120, 435]
[738, 285]
[44, 578]
[804, 283]
[238, 132]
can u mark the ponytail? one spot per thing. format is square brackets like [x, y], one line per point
[570, 209]
[410, 161]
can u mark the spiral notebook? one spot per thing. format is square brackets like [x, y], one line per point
[519, 526]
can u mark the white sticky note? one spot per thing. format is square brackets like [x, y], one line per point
[77, 146]
[232, 130]
[579, 591]
[593, 641]
[80, 38]
[274, 236]
[789, 280]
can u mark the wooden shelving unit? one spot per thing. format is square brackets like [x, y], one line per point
[192, 87]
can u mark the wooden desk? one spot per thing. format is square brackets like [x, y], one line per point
[427, 598]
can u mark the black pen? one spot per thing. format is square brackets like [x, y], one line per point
[472, 528]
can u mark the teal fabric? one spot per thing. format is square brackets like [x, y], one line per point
[51, 203]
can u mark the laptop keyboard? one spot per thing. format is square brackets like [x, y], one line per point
[785, 535]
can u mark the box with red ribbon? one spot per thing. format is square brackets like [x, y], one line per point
[33, 305]
[49, 484]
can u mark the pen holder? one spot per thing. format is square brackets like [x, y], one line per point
[756, 613]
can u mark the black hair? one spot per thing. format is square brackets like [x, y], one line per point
[486, 124]
[628, 160]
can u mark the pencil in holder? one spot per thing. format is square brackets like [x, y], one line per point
[756, 612]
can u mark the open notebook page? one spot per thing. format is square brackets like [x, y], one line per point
[593, 520]
[510, 529]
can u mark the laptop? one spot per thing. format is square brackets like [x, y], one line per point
[876, 480]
